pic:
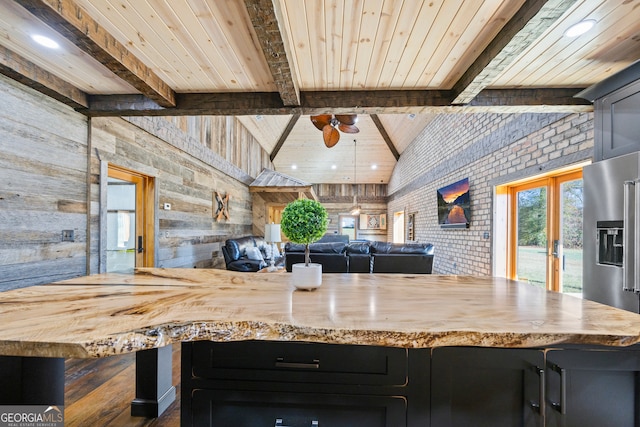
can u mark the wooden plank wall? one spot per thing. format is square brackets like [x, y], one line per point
[338, 200]
[44, 148]
[227, 137]
[188, 234]
[43, 157]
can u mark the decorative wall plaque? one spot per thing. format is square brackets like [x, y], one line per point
[222, 206]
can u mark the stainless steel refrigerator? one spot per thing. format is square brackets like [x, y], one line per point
[611, 238]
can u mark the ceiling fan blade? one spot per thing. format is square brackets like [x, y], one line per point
[321, 121]
[347, 119]
[348, 128]
[330, 135]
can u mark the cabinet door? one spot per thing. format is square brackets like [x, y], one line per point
[250, 408]
[593, 388]
[486, 387]
[618, 122]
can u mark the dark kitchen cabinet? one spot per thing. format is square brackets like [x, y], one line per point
[487, 387]
[616, 102]
[264, 383]
[599, 387]
[239, 408]
[617, 123]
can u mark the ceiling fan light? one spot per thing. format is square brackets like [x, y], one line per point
[580, 28]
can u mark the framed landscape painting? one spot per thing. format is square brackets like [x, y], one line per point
[454, 205]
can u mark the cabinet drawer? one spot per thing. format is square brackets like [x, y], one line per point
[299, 362]
[250, 409]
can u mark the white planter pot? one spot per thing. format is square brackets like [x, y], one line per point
[306, 277]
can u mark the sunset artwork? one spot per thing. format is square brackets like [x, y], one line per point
[454, 204]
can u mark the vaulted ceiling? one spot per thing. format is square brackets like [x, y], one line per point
[273, 63]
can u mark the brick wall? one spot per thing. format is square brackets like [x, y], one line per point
[489, 149]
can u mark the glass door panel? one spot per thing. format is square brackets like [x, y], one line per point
[121, 225]
[531, 232]
[570, 245]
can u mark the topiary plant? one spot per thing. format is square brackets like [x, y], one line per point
[304, 221]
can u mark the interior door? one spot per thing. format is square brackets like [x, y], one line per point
[130, 240]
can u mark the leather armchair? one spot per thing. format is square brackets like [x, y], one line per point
[235, 253]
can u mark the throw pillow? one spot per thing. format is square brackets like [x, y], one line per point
[254, 254]
[268, 251]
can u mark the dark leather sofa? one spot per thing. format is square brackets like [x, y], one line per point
[411, 258]
[330, 254]
[364, 257]
[235, 254]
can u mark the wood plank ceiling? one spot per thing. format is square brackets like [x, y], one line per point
[273, 63]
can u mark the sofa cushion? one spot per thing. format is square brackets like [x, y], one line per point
[359, 248]
[401, 248]
[318, 248]
[402, 263]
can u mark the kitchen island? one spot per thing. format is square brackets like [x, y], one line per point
[105, 315]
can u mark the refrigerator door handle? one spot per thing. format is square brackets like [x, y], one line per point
[636, 238]
[627, 254]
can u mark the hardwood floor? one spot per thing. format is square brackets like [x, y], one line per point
[98, 392]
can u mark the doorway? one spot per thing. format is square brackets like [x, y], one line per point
[130, 239]
[545, 232]
[348, 226]
[398, 227]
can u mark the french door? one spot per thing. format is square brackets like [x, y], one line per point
[545, 241]
[130, 220]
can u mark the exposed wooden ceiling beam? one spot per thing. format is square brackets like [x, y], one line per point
[358, 102]
[284, 136]
[528, 97]
[265, 18]
[29, 74]
[73, 23]
[385, 136]
[531, 20]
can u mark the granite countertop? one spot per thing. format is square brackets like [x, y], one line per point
[110, 314]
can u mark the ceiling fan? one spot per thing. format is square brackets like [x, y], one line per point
[327, 123]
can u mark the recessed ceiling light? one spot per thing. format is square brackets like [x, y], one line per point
[374, 166]
[580, 28]
[333, 166]
[45, 41]
[294, 167]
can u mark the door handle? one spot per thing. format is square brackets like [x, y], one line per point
[281, 363]
[140, 248]
[627, 251]
[561, 406]
[314, 423]
[539, 407]
[636, 239]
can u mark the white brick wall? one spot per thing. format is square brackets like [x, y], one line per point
[489, 149]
